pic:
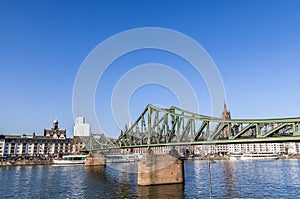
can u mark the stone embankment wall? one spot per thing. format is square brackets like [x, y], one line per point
[25, 162]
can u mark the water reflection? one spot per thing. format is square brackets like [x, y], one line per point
[161, 191]
[240, 179]
[196, 179]
[106, 182]
[230, 181]
[96, 172]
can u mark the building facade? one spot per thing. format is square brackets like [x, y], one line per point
[53, 142]
[82, 132]
[81, 128]
[291, 148]
[35, 145]
[2, 145]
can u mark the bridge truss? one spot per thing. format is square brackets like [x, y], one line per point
[99, 142]
[174, 126]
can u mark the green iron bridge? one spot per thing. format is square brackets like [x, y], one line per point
[157, 127]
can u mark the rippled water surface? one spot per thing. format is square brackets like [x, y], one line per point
[230, 179]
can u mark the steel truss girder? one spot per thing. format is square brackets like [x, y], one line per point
[99, 141]
[174, 126]
[243, 131]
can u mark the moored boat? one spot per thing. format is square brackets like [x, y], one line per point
[259, 156]
[254, 156]
[70, 160]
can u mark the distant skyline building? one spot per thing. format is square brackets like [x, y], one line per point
[81, 128]
[55, 132]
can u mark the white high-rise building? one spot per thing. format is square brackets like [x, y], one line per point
[81, 128]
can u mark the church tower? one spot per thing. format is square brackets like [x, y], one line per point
[226, 113]
[225, 116]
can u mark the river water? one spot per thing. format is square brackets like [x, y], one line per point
[230, 179]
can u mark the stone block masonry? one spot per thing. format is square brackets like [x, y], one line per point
[95, 160]
[155, 169]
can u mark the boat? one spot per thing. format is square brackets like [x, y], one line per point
[70, 160]
[254, 156]
[123, 158]
[260, 156]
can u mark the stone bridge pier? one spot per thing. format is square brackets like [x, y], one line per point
[95, 159]
[155, 169]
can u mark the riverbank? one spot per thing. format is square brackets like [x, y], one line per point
[50, 162]
[289, 157]
[25, 162]
[226, 157]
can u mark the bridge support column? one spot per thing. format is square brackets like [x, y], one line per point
[156, 169]
[95, 159]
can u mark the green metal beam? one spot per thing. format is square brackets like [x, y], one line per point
[274, 130]
[243, 131]
[174, 126]
[220, 128]
[203, 125]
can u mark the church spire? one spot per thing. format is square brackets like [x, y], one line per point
[226, 114]
[225, 106]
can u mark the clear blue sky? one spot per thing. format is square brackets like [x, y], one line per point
[255, 45]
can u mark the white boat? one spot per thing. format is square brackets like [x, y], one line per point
[254, 156]
[123, 158]
[259, 156]
[70, 160]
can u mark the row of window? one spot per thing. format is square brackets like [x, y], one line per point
[40, 150]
